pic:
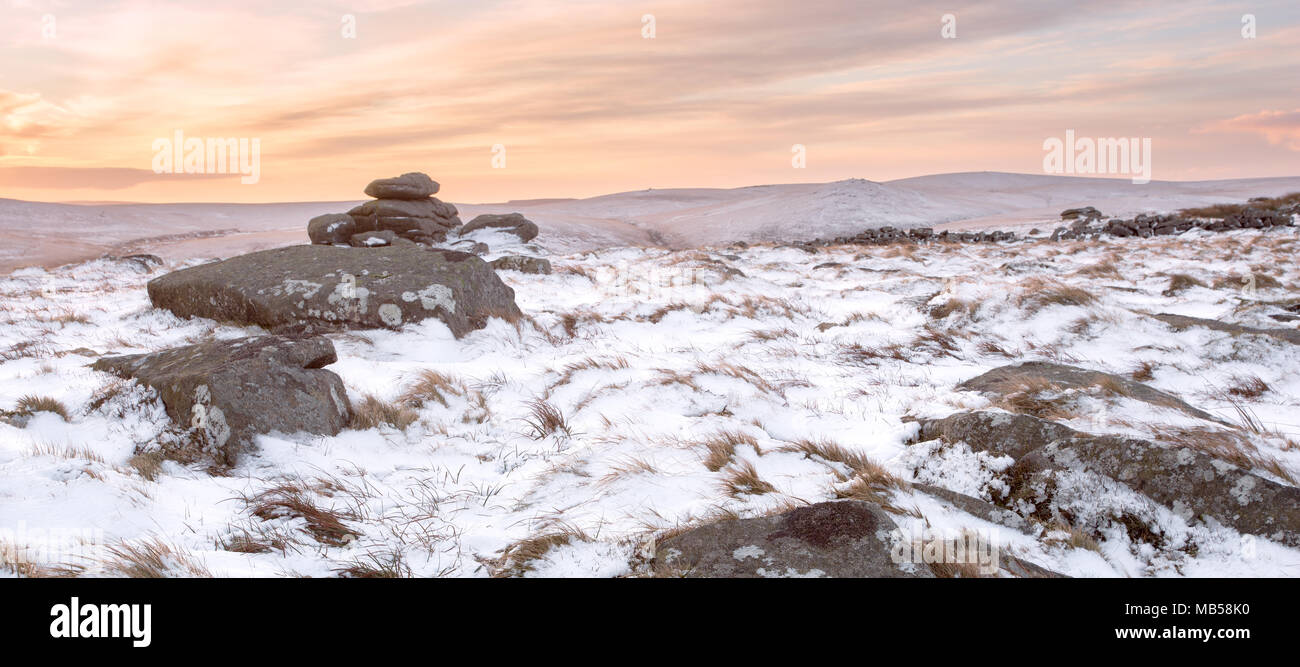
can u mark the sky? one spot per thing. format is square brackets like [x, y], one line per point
[507, 99]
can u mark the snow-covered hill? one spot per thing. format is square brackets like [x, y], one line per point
[50, 234]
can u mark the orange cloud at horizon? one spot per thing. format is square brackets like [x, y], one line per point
[584, 103]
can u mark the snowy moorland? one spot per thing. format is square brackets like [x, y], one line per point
[648, 390]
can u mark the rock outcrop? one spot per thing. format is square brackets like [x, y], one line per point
[848, 538]
[331, 228]
[1006, 380]
[522, 264]
[226, 392]
[413, 185]
[1085, 213]
[340, 288]
[513, 223]
[1191, 483]
[1086, 223]
[1184, 322]
[403, 206]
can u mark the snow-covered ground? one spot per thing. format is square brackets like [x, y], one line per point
[654, 357]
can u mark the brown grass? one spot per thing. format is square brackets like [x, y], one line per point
[938, 341]
[517, 559]
[571, 369]
[291, 501]
[431, 385]
[30, 405]
[379, 565]
[545, 419]
[720, 448]
[147, 464]
[373, 412]
[1250, 386]
[1032, 396]
[992, 348]
[1180, 282]
[626, 466]
[736, 371]
[964, 306]
[67, 452]
[858, 354]
[1143, 372]
[1073, 538]
[1102, 269]
[743, 479]
[859, 465]
[14, 560]
[152, 559]
[1039, 293]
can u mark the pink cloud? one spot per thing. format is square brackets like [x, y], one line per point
[1278, 127]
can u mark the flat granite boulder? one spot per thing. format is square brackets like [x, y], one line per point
[1006, 380]
[848, 538]
[335, 288]
[1183, 322]
[413, 185]
[226, 392]
[513, 223]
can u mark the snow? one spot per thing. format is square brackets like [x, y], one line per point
[33, 233]
[648, 353]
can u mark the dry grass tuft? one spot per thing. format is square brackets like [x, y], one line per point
[545, 419]
[291, 501]
[938, 341]
[147, 464]
[742, 479]
[991, 348]
[431, 385]
[1102, 269]
[373, 412]
[964, 306]
[859, 465]
[736, 371]
[720, 448]
[1064, 535]
[1251, 386]
[385, 565]
[1180, 282]
[30, 405]
[1036, 397]
[1039, 293]
[1144, 372]
[67, 452]
[517, 559]
[152, 559]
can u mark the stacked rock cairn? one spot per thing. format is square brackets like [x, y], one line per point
[403, 211]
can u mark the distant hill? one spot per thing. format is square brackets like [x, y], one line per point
[33, 233]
